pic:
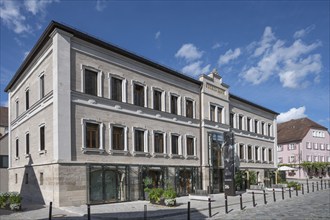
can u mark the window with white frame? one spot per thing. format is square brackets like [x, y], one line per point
[17, 107]
[92, 135]
[42, 136]
[231, 120]
[140, 140]
[322, 147]
[139, 94]
[269, 130]
[175, 104]
[27, 143]
[17, 148]
[189, 107]
[328, 146]
[328, 158]
[270, 155]
[91, 81]
[159, 142]
[263, 154]
[175, 144]
[249, 152]
[216, 113]
[27, 99]
[291, 146]
[315, 146]
[280, 160]
[256, 123]
[279, 148]
[190, 146]
[241, 151]
[212, 112]
[42, 85]
[240, 122]
[256, 153]
[117, 88]
[263, 128]
[322, 159]
[248, 124]
[292, 159]
[316, 158]
[118, 138]
[158, 97]
[308, 145]
[309, 158]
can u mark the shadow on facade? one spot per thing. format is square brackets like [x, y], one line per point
[30, 188]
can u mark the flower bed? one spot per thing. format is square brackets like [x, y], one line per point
[10, 200]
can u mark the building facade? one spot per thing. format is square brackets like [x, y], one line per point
[303, 140]
[81, 106]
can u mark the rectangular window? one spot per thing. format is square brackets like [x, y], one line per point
[159, 142]
[42, 138]
[219, 114]
[328, 146]
[157, 100]
[322, 159]
[291, 147]
[90, 82]
[138, 95]
[231, 120]
[189, 108]
[256, 126]
[42, 86]
[41, 179]
[269, 130]
[270, 155]
[262, 128]
[279, 148]
[118, 138]
[92, 135]
[250, 152]
[256, 156]
[174, 104]
[175, 144]
[248, 124]
[27, 143]
[17, 108]
[308, 145]
[4, 161]
[316, 159]
[27, 100]
[240, 122]
[280, 160]
[190, 146]
[139, 140]
[263, 154]
[292, 159]
[212, 113]
[241, 151]
[17, 148]
[322, 146]
[309, 158]
[16, 179]
[316, 146]
[116, 89]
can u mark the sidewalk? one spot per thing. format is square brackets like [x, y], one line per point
[135, 209]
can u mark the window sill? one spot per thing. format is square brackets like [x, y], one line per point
[42, 152]
[97, 150]
[140, 154]
[191, 157]
[173, 156]
[118, 152]
[159, 155]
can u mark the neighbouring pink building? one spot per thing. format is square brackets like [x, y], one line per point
[303, 140]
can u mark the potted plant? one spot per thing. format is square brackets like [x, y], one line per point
[169, 197]
[155, 195]
[15, 201]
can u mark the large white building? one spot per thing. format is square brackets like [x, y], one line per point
[89, 121]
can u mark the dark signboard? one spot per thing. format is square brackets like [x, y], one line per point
[229, 164]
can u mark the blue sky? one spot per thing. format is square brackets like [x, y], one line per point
[273, 53]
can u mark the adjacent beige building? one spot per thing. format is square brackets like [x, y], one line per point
[89, 121]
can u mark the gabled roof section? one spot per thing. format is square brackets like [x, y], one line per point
[231, 96]
[295, 130]
[86, 37]
[3, 116]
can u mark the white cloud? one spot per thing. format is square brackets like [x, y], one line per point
[303, 32]
[12, 17]
[293, 113]
[215, 46]
[228, 56]
[157, 35]
[36, 6]
[292, 64]
[100, 5]
[189, 52]
[196, 68]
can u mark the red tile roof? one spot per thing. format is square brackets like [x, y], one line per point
[295, 130]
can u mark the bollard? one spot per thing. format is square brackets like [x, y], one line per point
[145, 213]
[302, 189]
[307, 188]
[265, 201]
[321, 184]
[290, 192]
[282, 193]
[296, 190]
[188, 214]
[325, 184]
[210, 214]
[253, 200]
[312, 186]
[241, 201]
[50, 210]
[88, 211]
[317, 186]
[226, 204]
[274, 195]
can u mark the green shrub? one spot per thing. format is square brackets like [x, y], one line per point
[252, 177]
[3, 199]
[155, 194]
[169, 193]
[294, 185]
[14, 198]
